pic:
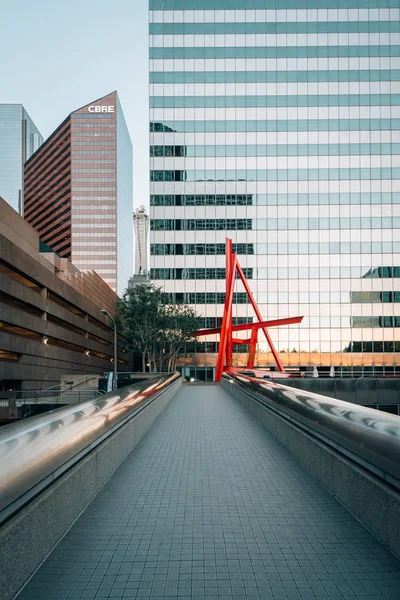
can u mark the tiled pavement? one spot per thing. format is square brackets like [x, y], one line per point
[210, 506]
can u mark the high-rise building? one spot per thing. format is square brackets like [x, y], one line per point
[277, 124]
[141, 227]
[78, 191]
[19, 139]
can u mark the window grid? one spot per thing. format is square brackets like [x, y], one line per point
[319, 130]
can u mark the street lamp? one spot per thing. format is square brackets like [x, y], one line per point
[105, 312]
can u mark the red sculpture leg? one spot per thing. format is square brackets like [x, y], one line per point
[226, 324]
[253, 347]
[259, 317]
[229, 274]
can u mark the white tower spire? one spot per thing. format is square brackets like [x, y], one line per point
[141, 227]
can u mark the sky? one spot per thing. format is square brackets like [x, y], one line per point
[57, 56]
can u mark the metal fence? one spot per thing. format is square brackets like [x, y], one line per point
[58, 397]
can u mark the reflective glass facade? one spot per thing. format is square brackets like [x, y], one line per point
[19, 139]
[278, 124]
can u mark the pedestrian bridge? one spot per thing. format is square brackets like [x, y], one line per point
[244, 490]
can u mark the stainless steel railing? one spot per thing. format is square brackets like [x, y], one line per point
[37, 450]
[369, 437]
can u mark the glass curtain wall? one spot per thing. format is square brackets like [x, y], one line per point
[19, 139]
[278, 124]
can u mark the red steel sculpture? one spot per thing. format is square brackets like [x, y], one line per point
[224, 361]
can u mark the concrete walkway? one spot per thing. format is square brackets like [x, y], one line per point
[209, 506]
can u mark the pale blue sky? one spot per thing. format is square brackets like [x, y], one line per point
[57, 56]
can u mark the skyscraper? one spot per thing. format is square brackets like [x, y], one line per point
[277, 124]
[19, 139]
[79, 191]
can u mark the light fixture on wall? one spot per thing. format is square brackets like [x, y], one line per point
[45, 340]
[87, 352]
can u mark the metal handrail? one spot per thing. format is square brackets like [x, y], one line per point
[36, 451]
[53, 389]
[54, 397]
[369, 437]
[78, 381]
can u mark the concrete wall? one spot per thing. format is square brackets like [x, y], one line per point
[27, 538]
[368, 498]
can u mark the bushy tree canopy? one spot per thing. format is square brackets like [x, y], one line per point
[157, 330]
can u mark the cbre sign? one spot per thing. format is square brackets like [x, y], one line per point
[101, 109]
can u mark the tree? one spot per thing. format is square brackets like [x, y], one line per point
[179, 324]
[137, 313]
[156, 329]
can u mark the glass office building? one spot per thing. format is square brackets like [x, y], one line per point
[79, 191]
[19, 139]
[278, 124]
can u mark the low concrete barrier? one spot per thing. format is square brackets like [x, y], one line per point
[365, 488]
[28, 537]
[367, 391]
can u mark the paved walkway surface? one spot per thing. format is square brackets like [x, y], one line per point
[210, 506]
